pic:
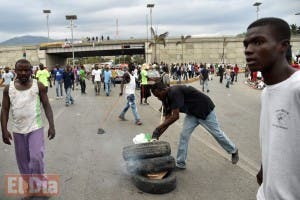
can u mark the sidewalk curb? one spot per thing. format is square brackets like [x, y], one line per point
[175, 82]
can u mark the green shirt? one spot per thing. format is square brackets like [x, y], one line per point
[42, 76]
[82, 74]
[144, 77]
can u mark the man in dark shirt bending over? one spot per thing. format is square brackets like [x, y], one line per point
[199, 109]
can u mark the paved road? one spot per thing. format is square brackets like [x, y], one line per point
[91, 165]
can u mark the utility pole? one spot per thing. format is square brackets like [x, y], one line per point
[257, 4]
[71, 18]
[47, 12]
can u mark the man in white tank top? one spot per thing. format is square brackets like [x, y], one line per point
[266, 44]
[130, 85]
[24, 97]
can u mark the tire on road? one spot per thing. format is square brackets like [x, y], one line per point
[146, 150]
[151, 165]
[153, 186]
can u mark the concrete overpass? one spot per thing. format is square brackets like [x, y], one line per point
[57, 53]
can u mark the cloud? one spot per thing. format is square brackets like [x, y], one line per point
[95, 18]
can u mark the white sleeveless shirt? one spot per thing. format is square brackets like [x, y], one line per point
[130, 87]
[26, 108]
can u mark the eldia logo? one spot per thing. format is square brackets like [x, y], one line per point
[46, 185]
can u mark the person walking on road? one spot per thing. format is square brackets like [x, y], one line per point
[129, 84]
[199, 109]
[145, 90]
[107, 79]
[43, 76]
[68, 77]
[221, 72]
[7, 77]
[266, 42]
[96, 78]
[82, 77]
[236, 71]
[24, 97]
[228, 76]
[58, 81]
[204, 77]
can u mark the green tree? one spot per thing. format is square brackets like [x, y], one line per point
[294, 29]
[157, 39]
[183, 39]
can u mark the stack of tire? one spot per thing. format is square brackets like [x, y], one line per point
[150, 158]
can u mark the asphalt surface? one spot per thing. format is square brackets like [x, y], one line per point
[91, 165]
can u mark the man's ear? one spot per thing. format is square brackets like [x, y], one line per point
[285, 45]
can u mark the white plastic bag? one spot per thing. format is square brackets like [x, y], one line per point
[140, 138]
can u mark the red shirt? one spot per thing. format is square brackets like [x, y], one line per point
[236, 69]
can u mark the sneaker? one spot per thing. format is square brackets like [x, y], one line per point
[61, 97]
[180, 167]
[122, 118]
[57, 97]
[235, 157]
[138, 123]
[67, 104]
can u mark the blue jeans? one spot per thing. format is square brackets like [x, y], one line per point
[228, 79]
[69, 98]
[58, 86]
[205, 85]
[107, 88]
[211, 125]
[131, 103]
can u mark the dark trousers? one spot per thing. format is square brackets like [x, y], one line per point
[82, 85]
[221, 78]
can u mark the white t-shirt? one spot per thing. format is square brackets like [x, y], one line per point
[130, 87]
[97, 74]
[280, 140]
[7, 77]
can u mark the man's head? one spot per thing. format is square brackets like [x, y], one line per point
[41, 66]
[68, 68]
[131, 67]
[6, 69]
[96, 67]
[266, 43]
[159, 90]
[23, 70]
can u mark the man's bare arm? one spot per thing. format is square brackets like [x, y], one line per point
[6, 136]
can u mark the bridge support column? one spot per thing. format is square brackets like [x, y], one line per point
[52, 60]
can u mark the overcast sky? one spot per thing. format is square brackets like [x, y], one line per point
[98, 17]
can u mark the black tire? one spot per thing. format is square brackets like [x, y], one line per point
[152, 186]
[151, 165]
[146, 150]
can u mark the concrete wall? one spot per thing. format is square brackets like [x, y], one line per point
[207, 50]
[9, 55]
